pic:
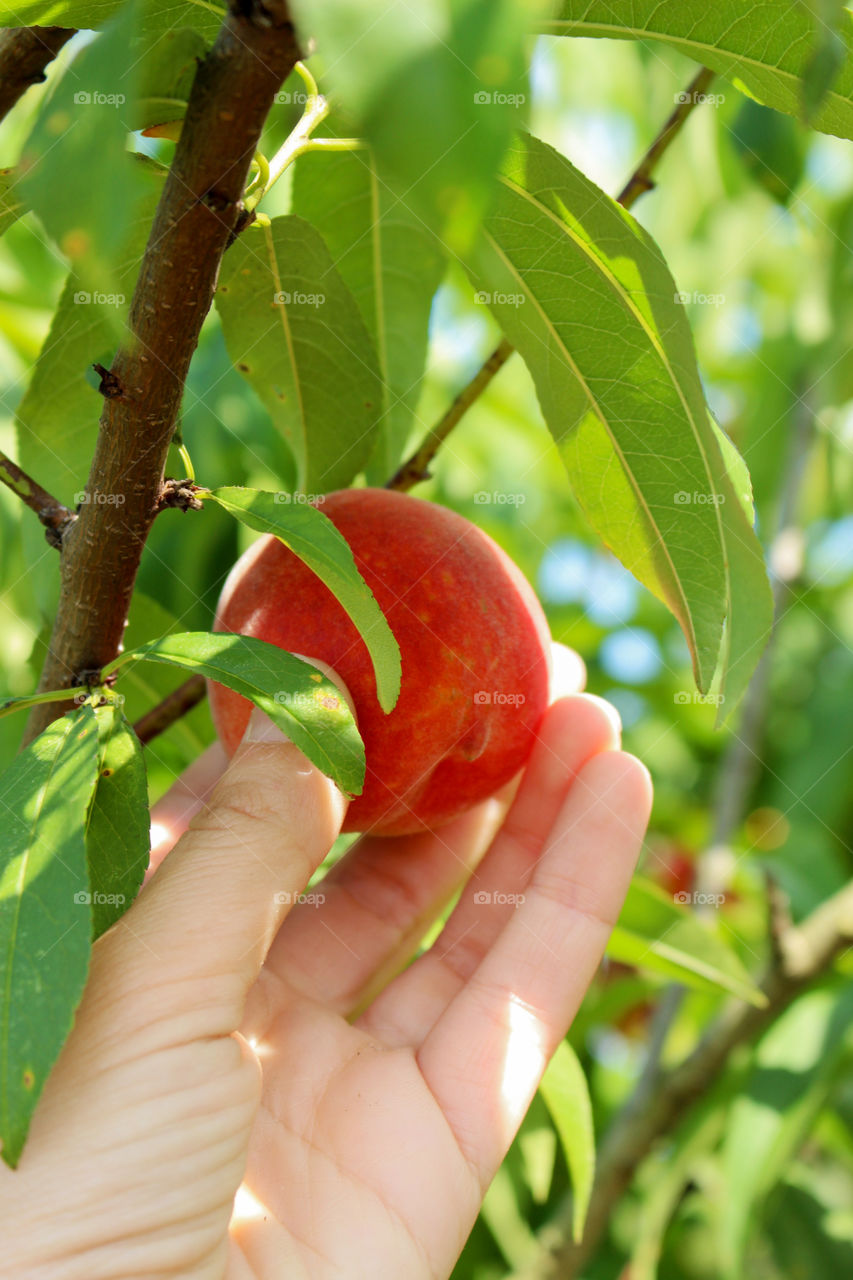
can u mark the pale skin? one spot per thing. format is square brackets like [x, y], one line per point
[229, 1042]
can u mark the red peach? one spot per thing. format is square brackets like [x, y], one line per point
[474, 643]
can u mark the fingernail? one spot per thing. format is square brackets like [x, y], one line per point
[262, 729]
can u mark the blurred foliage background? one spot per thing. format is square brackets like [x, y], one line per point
[755, 217]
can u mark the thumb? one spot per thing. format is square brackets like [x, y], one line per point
[206, 920]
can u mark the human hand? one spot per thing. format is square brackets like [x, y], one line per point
[228, 1039]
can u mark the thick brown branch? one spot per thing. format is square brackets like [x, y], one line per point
[56, 518]
[177, 704]
[24, 54]
[417, 467]
[200, 206]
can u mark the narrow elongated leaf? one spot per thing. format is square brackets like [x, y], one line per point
[445, 80]
[305, 704]
[117, 832]
[767, 48]
[584, 293]
[76, 147]
[654, 932]
[11, 205]
[312, 537]
[294, 331]
[205, 16]
[392, 265]
[794, 1066]
[566, 1094]
[45, 918]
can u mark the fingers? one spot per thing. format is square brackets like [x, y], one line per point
[485, 1055]
[372, 910]
[375, 905]
[568, 673]
[574, 730]
[171, 815]
[199, 932]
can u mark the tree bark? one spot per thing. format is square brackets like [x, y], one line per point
[197, 217]
[24, 54]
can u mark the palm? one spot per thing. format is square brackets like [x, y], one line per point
[376, 1146]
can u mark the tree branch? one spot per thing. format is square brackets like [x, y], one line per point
[199, 212]
[172, 708]
[417, 466]
[641, 179]
[24, 54]
[805, 953]
[55, 517]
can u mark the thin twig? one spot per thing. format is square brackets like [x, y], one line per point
[199, 213]
[172, 708]
[24, 54]
[641, 179]
[416, 468]
[807, 952]
[55, 517]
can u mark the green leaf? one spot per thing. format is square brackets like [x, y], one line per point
[57, 418]
[829, 55]
[654, 932]
[11, 206]
[566, 1095]
[118, 830]
[434, 88]
[584, 294]
[392, 266]
[794, 1067]
[314, 539]
[45, 920]
[294, 331]
[165, 76]
[772, 148]
[71, 158]
[205, 16]
[305, 705]
[765, 48]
